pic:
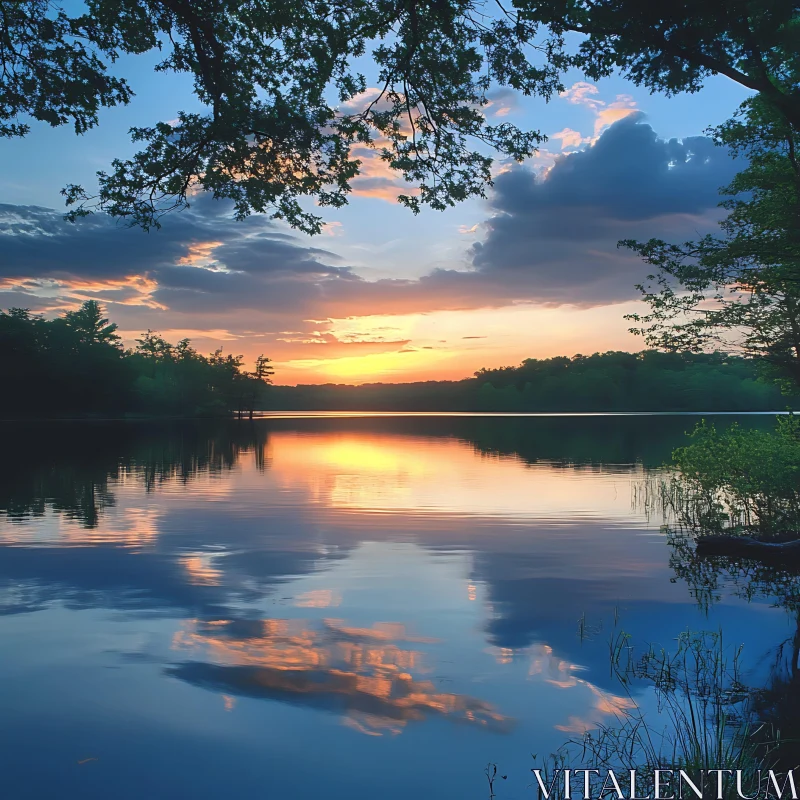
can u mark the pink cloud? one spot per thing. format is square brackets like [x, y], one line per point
[583, 94]
[569, 138]
[606, 114]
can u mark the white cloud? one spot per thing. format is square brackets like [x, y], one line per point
[587, 94]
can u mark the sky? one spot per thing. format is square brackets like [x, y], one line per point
[532, 271]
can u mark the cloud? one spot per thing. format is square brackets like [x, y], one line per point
[502, 102]
[324, 344]
[199, 254]
[557, 235]
[610, 113]
[550, 239]
[583, 94]
[332, 229]
[376, 178]
[38, 243]
[586, 94]
[569, 138]
[201, 259]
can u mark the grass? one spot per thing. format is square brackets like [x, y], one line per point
[706, 718]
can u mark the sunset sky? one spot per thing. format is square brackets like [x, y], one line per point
[381, 295]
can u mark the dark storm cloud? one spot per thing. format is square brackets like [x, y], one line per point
[628, 174]
[283, 285]
[557, 236]
[36, 242]
[551, 239]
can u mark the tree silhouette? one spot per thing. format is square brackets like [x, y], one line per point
[90, 326]
[280, 88]
[76, 364]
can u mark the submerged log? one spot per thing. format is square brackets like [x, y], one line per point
[748, 547]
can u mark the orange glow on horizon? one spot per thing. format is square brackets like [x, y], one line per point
[452, 345]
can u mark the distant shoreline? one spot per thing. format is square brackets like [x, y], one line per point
[365, 414]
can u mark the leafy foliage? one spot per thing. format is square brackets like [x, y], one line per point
[738, 479]
[613, 381]
[280, 86]
[740, 292]
[644, 381]
[53, 69]
[76, 364]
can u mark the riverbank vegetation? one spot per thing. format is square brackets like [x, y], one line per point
[705, 719]
[738, 480]
[76, 365]
[739, 292]
[614, 381]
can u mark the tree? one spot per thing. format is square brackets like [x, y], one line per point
[278, 83]
[76, 364]
[72, 363]
[90, 326]
[255, 382]
[264, 369]
[153, 346]
[740, 291]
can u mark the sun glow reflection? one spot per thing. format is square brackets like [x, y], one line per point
[391, 473]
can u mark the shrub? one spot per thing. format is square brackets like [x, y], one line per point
[738, 480]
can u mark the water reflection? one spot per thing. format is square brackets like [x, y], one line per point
[74, 469]
[709, 579]
[363, 673]
[292, 585]
[416, 475]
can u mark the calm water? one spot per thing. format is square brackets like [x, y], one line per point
[327, 607]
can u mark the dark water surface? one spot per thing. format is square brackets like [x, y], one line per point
[327, 607]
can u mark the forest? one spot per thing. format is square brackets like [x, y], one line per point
[614, 381]
[75, 365]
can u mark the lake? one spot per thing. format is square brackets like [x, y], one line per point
[330, 605]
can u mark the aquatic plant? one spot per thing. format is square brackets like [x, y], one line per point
[705, 719]
[736, 480]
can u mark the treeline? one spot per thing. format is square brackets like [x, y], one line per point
[613, 381]
[76, 365]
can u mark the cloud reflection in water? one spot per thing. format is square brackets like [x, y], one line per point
[361, 673]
